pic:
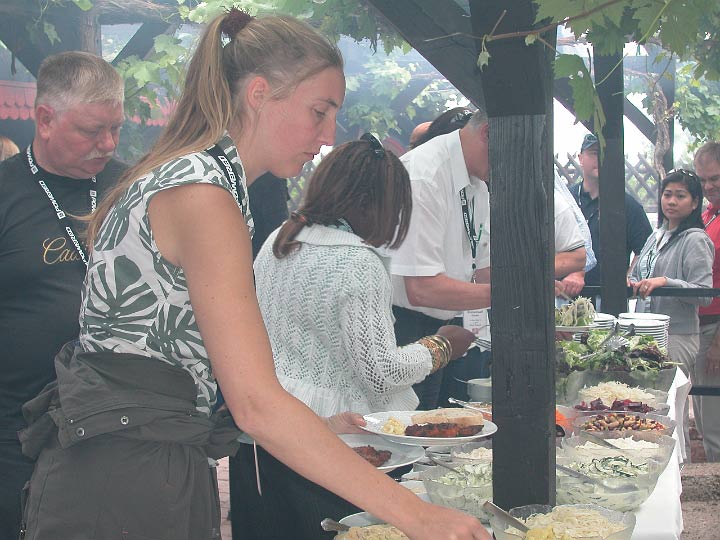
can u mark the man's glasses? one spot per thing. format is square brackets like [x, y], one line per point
[375, 145]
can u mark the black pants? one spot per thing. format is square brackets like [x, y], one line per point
[15, 470]
[437, 387]
[290, 506]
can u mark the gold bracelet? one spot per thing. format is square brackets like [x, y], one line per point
[445, 343]
[436, 353]
[444, 346]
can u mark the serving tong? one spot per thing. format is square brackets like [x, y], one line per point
[588, 479]
[612, 342]
[506, 518]
[465, 404]
[330, 525]
[602, 442]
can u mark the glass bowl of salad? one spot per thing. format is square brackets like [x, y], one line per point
[618, 483]
[465, 488]
[632, 446]
[611, 424]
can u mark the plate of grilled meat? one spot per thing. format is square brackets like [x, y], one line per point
[384, 454]
[446, 427]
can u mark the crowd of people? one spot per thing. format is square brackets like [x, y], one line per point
[142, 340]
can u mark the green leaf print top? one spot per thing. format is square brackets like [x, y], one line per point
[134, 301]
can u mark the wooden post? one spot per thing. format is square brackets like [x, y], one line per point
[89, 31]
[517, 86]
[612, 185]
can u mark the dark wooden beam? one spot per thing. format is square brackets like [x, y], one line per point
[142, 41]
[15, 37]
[518, 90]
[427, 25]
[612, 185]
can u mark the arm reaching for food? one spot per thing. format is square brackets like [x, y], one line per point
[218, 269]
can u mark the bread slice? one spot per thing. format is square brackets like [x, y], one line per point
[461, 417]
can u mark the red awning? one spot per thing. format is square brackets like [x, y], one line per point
[17, 100]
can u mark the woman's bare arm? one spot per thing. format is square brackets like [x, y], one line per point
[200, 228]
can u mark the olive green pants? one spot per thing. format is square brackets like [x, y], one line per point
[112, 487]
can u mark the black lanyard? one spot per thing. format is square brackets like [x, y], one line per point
[469, 221]
[712, 218]
[227, 167]
[61, 215]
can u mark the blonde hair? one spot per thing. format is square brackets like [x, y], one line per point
[71, 78]
[7, 148]
[281, 49]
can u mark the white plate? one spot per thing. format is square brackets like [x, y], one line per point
[375, 422]
[363, 519]
[651, 316]
[402, 454]
[572, 328]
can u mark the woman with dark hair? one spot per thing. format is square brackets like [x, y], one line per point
[678, 254]
[325, 295]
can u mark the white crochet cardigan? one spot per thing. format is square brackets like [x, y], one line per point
[327, 307]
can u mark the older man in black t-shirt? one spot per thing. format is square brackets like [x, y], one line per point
[64, 173]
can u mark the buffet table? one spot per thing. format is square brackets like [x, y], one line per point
[660, 517]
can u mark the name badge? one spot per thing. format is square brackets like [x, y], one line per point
[476, 321]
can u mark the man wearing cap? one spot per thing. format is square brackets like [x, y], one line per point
[707, 364]
[586, 195]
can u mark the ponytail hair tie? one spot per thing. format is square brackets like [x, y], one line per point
[302, 218]
[235, 20]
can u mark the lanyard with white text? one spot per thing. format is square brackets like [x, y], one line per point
[469, 221]
[61, 215]
[221, 158]
[715, 215]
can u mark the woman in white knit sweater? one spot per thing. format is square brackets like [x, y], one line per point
[325, 296]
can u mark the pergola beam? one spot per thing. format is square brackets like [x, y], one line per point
[441, 32]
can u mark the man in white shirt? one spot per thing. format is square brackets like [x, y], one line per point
[441, 272]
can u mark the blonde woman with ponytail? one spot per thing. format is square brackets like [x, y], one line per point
[169, 315]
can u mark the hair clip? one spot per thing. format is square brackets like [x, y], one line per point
[299, 216]
[375, 145]
[235, 20]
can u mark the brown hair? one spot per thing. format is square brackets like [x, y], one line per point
[281, 49]
[354, 172]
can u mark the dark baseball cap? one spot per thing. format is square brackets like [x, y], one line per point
[589, 140]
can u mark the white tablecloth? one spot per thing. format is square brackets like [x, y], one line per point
[660, 517]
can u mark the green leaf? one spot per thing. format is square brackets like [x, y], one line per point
[169, 45]
[85, 5]
[530, 39]
[567, 65]
[483, 59]
[50, 32]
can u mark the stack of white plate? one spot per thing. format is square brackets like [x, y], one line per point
[604, 321]
[651, 324]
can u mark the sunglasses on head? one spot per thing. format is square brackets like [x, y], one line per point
[684, 172]
[375, 146]
[461, 118]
